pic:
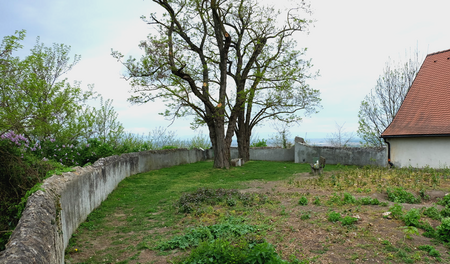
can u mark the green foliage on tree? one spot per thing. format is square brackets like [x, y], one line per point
[201, 45]
[35, 101]
[45, 122]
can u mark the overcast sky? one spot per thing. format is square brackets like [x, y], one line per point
[350, 43]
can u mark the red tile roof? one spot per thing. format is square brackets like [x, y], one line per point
[426, 108]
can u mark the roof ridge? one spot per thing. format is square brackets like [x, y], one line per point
[437, 52]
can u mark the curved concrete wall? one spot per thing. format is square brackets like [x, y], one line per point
[51, 216]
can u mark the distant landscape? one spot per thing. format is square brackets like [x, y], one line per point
[356, 142]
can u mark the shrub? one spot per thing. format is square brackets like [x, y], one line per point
[432, 212]
[349, 220]
[348, 198]
[240, 251]
[400, 195]
[412, 217]
[334, 216]
[259, 143]
[444, 201]
[303, 201]
[443, 231]
[20, 170]
[317, 200]
[431, 250]
[396, 211]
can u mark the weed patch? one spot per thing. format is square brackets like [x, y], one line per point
[400, 195]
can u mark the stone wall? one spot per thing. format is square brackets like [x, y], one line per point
[52, 215]
[267, 153]
[345, 156]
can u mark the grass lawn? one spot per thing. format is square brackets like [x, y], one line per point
[273, 212]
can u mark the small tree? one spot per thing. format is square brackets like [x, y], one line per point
[281, 138]
[34, 100]
[340, 138]
[380, 106]
[106, 127]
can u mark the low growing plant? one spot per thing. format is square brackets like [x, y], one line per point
[444, 201]
[348, 198]
[317, 200]
[431, 250]
[305, 215]
[240, 251]
[412, 217]
[334, 216]
[368, 201]
[190, 202]
[195, 236]
[433, 213]
[349, 220]
[396, 211]
[443, 230]
[303, 201]
[400, 195]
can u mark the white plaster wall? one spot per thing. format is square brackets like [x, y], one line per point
[420, 152]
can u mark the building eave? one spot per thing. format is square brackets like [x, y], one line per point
[415, 135]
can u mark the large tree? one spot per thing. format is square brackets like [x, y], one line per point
[380, 106]
[267, 68]
[199, 45]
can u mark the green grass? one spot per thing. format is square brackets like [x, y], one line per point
[144, 214]
[143, 194]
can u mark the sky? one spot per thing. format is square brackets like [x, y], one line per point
[349, 44]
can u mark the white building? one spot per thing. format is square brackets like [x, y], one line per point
[419, 135]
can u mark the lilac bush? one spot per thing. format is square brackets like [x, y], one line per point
[67, 154]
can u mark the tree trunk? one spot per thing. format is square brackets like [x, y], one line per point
[219, 145]
[243, 138]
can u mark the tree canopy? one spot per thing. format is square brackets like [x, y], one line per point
[380, 106]
[36, 101]
[224, 62]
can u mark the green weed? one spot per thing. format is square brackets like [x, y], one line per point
[334, 216]
[303, 201]
[400, 195]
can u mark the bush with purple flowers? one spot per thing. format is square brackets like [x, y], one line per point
[19, 172]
